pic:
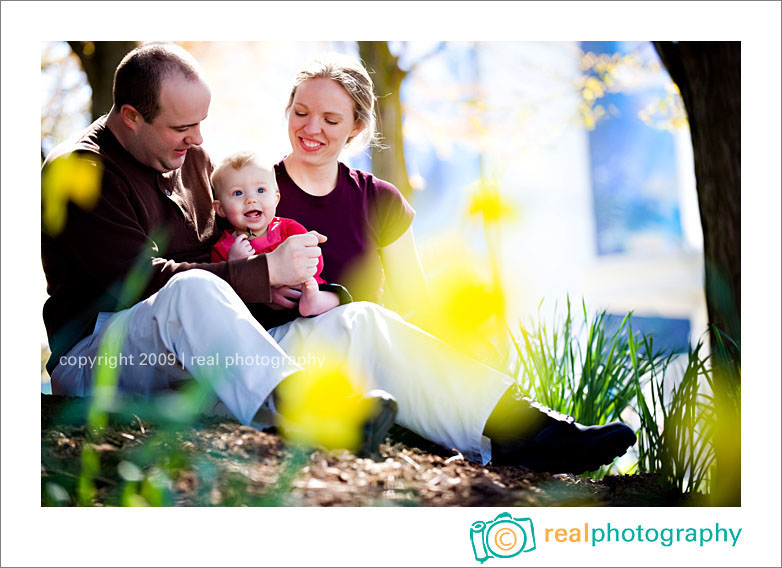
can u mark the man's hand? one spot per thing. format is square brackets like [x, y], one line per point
[241, 248]
[285, 297]
[295, 260]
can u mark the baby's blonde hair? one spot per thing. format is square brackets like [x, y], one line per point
[236, 162]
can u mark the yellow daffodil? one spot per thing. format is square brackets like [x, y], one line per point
[323, 406]
[489, 203]
[75, 178]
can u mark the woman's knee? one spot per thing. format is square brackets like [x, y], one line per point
[368, 315]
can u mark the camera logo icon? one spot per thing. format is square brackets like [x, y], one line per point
[504, 537]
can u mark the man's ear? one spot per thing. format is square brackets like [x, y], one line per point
[218, 207]
[131, 118]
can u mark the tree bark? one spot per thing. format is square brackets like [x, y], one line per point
[388, 163]
[99, 59]
[708, 75]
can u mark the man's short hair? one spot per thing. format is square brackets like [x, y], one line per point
[140, 74]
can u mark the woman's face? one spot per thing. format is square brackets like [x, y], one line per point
[320, 121]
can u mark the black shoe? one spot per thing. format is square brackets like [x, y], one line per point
[378, 424]
[529, 434]
[382, 413]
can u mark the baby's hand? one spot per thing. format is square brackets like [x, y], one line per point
[241, 248]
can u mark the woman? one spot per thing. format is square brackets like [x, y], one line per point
[367, 220]
[367, 223]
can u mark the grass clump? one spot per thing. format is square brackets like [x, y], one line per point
[598, 372]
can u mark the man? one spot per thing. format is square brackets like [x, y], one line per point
[155, 182]
[134, 269]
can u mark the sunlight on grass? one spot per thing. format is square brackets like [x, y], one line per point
[690, 431]
[583, 370]
[105, 378]
[597, 375]
[726, 379]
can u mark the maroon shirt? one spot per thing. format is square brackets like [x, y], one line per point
[361, 215]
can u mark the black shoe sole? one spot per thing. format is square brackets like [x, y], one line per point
[598, 451]
[376, 428]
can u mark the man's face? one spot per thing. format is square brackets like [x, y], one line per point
[162, 144]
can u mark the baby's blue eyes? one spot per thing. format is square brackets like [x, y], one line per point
[239, 192]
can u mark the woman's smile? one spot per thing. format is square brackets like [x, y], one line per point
[309, 144]
[320, 121]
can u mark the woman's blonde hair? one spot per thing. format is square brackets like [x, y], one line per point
[351, 74]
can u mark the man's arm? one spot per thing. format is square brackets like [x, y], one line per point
[108, 243]
[131, 231]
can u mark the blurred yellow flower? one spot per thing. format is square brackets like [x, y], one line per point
[74, 178]
[322, 406]
[489, 203]
[467, 307]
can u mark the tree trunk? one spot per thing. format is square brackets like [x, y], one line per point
[388, 163]
[708, 75]
[99, 59]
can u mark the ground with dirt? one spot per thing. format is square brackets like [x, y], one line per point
[219, 462]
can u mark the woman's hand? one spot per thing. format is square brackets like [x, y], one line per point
[285, 297]
[241, 248]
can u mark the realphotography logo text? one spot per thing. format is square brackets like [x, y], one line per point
[666, 536]
[507, 536]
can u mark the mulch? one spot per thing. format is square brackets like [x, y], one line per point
[219, 462]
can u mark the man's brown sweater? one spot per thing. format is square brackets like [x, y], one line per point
[147, 225]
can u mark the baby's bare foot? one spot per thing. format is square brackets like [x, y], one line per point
[314, 301]
[308, 302]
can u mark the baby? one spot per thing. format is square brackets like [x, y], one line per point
[246, 194]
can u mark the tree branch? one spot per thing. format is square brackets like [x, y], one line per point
[440, 47]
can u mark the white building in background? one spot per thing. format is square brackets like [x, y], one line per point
[608, 214]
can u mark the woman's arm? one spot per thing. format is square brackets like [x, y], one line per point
[405, 276]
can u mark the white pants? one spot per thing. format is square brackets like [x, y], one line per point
[196, 326]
